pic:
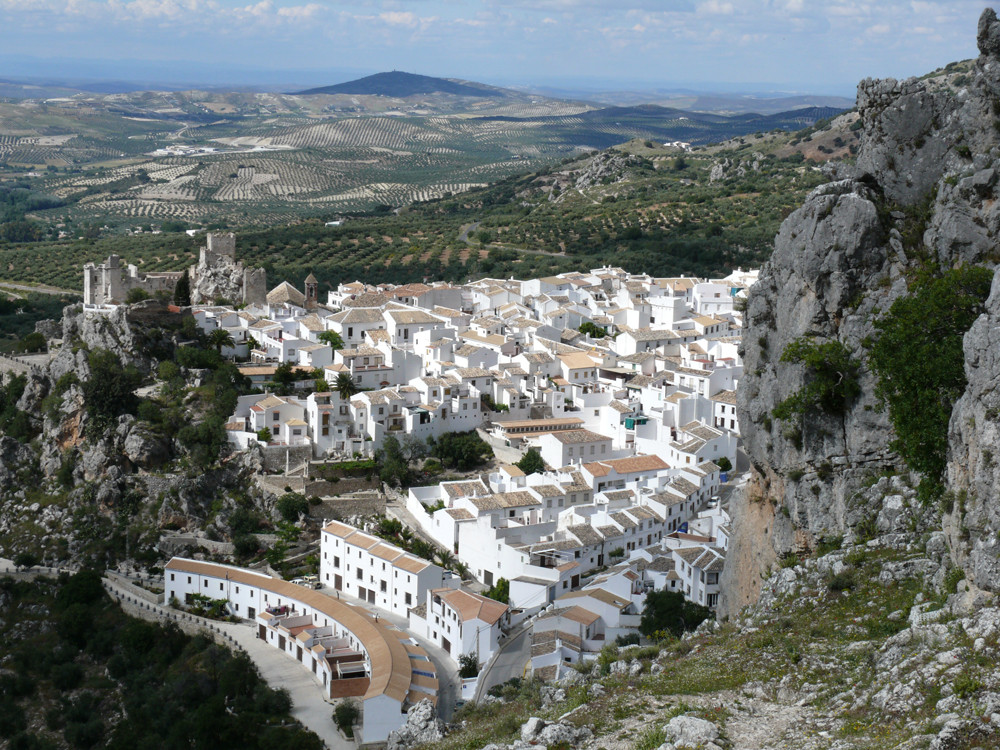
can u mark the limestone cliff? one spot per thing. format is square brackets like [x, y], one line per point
[924, 188]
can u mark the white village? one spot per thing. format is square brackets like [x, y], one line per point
[609, 402]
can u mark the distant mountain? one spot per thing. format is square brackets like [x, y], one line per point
[399, 84]
[697, 101]
[603, 128]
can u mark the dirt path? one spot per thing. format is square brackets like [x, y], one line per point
[41, 289]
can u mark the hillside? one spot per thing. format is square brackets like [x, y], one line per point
[640, 205]
[401, 85]
[79, 673]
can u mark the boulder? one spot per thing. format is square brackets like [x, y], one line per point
[422, 726]
[690, 732]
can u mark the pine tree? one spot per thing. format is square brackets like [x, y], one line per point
[182, 291]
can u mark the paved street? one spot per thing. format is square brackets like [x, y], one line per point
[308, 704]
[509, 664]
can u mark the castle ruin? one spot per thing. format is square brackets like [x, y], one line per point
[217, 275]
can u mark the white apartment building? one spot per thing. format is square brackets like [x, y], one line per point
[374, 571]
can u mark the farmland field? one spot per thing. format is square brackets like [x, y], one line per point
[126, 161]
[640, 206]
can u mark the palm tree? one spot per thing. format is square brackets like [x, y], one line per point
[445, 558]
[219, 338]
[345, 385]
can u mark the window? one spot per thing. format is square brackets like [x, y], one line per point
[171, 576]
[408, 599]
[275, 416]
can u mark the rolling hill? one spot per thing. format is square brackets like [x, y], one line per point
[401, 85]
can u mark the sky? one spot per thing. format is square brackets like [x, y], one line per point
[814, 46]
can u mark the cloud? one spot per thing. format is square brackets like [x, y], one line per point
[399, 18]
[716, 8]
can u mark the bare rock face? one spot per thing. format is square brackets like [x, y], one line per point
[973, 521]
[221, 279]
[926, 180]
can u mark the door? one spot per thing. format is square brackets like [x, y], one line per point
[261, 633]
[281, 642]
[446, 645]
[338, 583]
[298, 653]
[371, 596]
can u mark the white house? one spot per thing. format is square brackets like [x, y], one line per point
[461, 622]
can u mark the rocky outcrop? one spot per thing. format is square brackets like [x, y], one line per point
[727, 168]
[925, 187]
[605, 168]
[422, 726]
[220, 279]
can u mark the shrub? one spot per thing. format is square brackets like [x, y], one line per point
[500, 591]
[627, 639]
[843, 581]
[831, 379]
[345, 715]
[670, 611]
[292, 506]
[965, 685]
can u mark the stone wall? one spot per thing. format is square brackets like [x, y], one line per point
[279, 457]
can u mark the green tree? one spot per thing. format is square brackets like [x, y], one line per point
[136, 295]
[108, 392]
[500, 591]
[918, 358]
[345, 385]
[393, 467]
[724, 464]
[592, 329]
[182, 290]
[531, 462]
[33, 342]
[671, 612]
[264, 435]
[460, 450]
[284, 377]
[220, 337]
[468, 666]
[332, 338]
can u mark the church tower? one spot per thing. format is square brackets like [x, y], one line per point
[312, 292]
